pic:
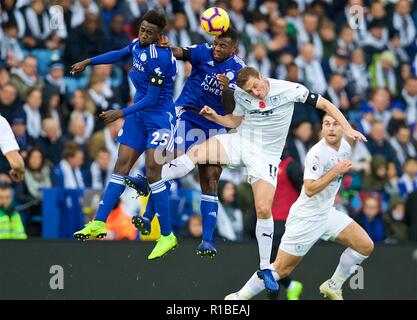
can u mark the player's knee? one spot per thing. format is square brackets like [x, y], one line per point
[263, 211]
[367, 248]
[209, 186]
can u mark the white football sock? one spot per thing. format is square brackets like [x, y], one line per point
[177, 168]
[254, 286]
[264, 234]
[348, 264]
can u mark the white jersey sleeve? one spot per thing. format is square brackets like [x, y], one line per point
[314, 168]
[296, 92]
[7, 140]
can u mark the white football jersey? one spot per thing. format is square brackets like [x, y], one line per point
[266, 122]
[7, 139]
[320, 159]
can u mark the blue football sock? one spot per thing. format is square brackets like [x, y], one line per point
[113, 192]
[150, 210]
[209, 207]
[160, 196]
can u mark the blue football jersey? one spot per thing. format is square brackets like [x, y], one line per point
[153, 61]
[202, 87]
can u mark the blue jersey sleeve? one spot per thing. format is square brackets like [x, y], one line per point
[196, 52]
[112, 56]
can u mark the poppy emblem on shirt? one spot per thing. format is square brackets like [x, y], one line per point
[262, 105]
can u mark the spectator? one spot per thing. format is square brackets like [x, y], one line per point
[11, 14]
[100, 170]
[377, 143]
[79, 109]
[33, 114]
[108, 10]
[10, 51]
[52, 107]
[403, 23]
[229, 217]
[401, 143]
[299, 142]
[81, 8]
[336, 92]
[346, 40]
[4, 78]
[193, 10]
[194, 227]
[84, 41]
[119, 225]
[105, 139]
[136, 8]
[76, 132]
[358, 76]
[370, 219]
[408, 96]
[9, 102]
[51, 144]
[11, 225]
[258, 59]
[376, 40]
[396, 228]
[408, 181]
[256, 31]
[337, 63]
[383, 74]
[26, 76]
[377, 178]
[116, 37]
[361, 161]
[29, 192]
[395, 47]
[311, 71]
[328, 37]
[39, 33]
[379, 105]
[236, 13]
[24, 141]
[55, 77]
[67, 174]
[309, 34]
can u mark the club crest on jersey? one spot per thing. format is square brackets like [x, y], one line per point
[262, 105]
[143, 57]
[275, 100]
[230, 75]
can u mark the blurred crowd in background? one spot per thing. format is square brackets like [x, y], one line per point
[361, 55]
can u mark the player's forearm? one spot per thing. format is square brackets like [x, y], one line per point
[149, 100]
[15, 160]
[110, 57]
[228, 121]
[228, 100]
[177, 52]
[312, 187]
[331, 109]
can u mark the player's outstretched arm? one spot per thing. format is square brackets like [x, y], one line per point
[105, 58]
[312, 187]
[147, 101]
[331, 109]
[228, 121]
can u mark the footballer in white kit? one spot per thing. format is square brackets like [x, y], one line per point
[263, 109]
[312, 217]
[10, 149]
[260, 138]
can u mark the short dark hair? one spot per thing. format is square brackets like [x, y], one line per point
[156, 18]
[230, 33]
[70, 150]
[244, 75]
